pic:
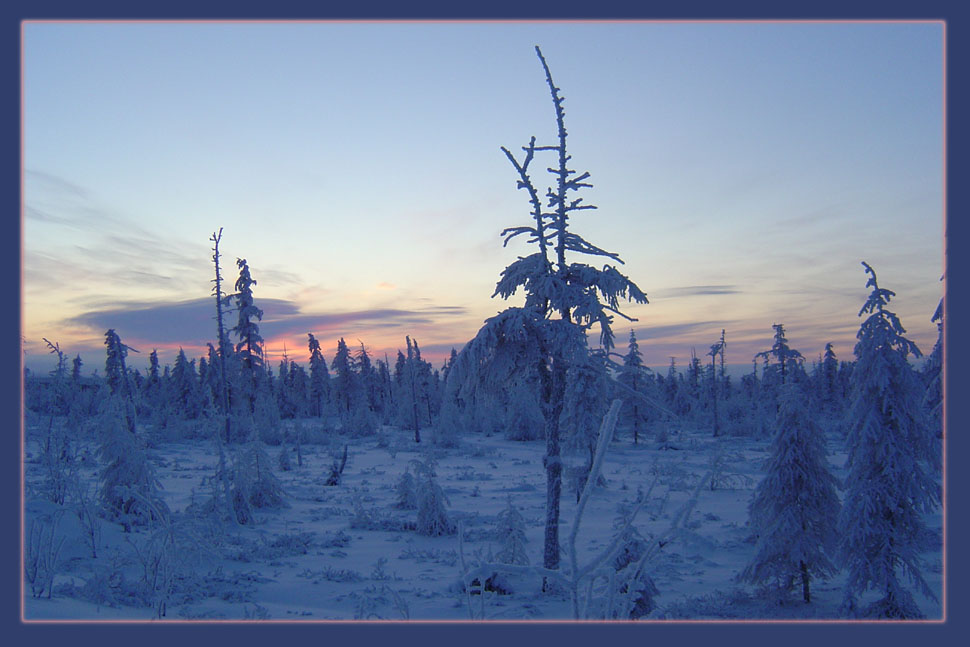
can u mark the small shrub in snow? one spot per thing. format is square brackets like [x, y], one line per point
[374, 519]
[724, 479]
[339, 539]
[337, 469]
[86, 513]
[510, 533]
[436, 555]
[284, 460]
[109, 588]
[253, 484]
[330, 574]
[407, 497]
[432, 515]
[297, 543]
[266, 418]
[128, 484]
[42, 547]
[363, 421]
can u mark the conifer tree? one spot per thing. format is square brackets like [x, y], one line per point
[297, 388]
[184, 388]
[562, 301]
[634, 376]
[716, 349]
[250, 346]
[587, 392]
[129, 489]
[830, 375]
[76, 369]
[784, 355]
[933, 375]
[409, 376]
[510, 534]
[344, 380]
[385, 399]
[889, 487]
[319, 379]
[116, 376]
[795, 506]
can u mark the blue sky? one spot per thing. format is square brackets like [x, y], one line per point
[742, 171]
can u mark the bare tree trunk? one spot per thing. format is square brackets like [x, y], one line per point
[556, 380]
[717, 428]
[216, 237]
[414, 394]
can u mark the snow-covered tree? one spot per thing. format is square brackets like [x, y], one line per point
[56, 450]
[933, 375]
[250, 346]
[830, 376]
[406, 492]
[344, 384]
[510, 535]
[892, 453]
[562, 301]
[253, 483]
[297, 388]
[432, 502]
[129, 489]
[184, 388]
[795, 506]
[716, 350]
[116, 375]
[319, 380]
[587, 392]
[635, 377]
[784, 355]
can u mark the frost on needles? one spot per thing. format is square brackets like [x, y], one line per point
[533, 346]
[892, 456]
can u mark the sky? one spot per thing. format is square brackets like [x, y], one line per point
[741, 170]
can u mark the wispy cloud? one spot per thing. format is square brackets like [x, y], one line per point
[193, 322]
[695, 290]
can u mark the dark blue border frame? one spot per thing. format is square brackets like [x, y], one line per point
[707, 634]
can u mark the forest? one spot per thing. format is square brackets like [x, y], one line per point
[341, 486]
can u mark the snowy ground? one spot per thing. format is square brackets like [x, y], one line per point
[346, 552]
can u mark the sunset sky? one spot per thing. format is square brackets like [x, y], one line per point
[742, 172]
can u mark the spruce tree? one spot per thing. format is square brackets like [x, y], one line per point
[562, 301]
[784, 355]
[587, 393]
[892, 454]
[795, 506]
[184, 392]
[250, 346]
[344, 381]
[129, 489]
[510, 535]
[116, 376]
[716, 349]
[319, 379]
[410, 378]
[933, 375]
[830, 376]
[634, 376]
